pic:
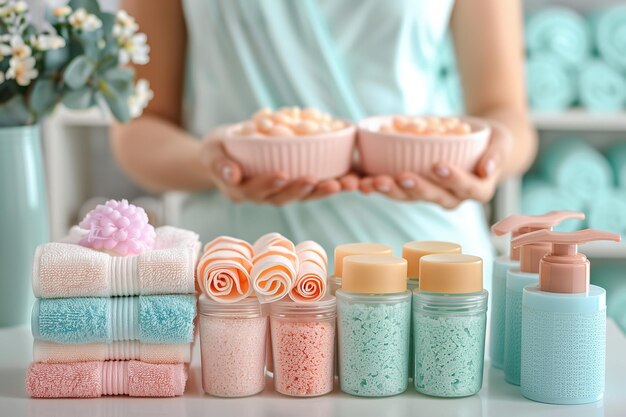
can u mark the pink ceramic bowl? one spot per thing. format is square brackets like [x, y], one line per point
[321, 156]
[392, 153]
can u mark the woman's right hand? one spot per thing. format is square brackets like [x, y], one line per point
[272, 188]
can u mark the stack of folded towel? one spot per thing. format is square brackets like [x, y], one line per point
[106, 324]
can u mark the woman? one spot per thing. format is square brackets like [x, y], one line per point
[215, 62]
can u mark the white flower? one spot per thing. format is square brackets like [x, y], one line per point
[19, 49]
[5, 37]
[80, 19]
[139, 99]
[61, 11]
[20, 7]
[135, 49]
[6, 11]
[22, 70]
[125, 25]
[5, 50]
[46, 42]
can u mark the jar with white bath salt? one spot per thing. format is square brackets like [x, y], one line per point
[449, 323]
[303, 343]
[232, 346]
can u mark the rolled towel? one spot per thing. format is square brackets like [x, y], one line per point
[609, 33]
[608, 212]
[231, 243]
[273, 239]
[273, 273]
[148, 319]
[224, 275]
[63, 270]
[310, 283]
[540, 197]
[96, 379]
[551, 85]
[49, 352]
[616, 154]
[559, 31]
[576, 167]
[601, 87]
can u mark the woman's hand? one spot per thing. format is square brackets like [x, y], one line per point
[273, 188]
[448, 185]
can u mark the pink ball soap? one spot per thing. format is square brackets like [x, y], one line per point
[303, 341]
[232, 346]
[118, 227]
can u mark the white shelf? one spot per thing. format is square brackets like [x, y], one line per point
[580, 120]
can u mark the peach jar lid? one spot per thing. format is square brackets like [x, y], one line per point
[350, 249]
[413, 252]
[451, 274]
[374, 274]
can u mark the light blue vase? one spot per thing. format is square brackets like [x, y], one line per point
[23, 218]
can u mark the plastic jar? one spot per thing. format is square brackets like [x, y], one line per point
[449, 324]
[373, 316]
[303, 343]
[232, 346]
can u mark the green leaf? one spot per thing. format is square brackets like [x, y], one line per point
[15, 113]
[44, 96]
[119, 81]
[79, 99]
[78, 71]
[91, 6]
[107, 63]
[55, 59]
[118, 106]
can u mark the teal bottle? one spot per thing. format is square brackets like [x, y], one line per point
[23, 219]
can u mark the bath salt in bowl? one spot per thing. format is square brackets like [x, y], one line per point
[299, 142]
[390, 145]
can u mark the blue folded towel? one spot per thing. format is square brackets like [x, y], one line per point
[540, 197]
[616, 154]
[608, 212]
[601, 87]
[149, 319]
[558, 31]
[576, 167]
[551, 85]
[608, 27]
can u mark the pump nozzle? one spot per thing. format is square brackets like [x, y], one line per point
[563, 269]
[518, 224]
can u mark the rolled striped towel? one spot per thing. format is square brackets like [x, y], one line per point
[311, 281]
[275, 267]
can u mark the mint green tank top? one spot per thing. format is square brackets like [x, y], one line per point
[352, 58]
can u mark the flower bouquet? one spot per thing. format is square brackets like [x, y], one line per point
[79, 59]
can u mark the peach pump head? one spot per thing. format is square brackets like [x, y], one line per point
[563, 269]
[519, 224]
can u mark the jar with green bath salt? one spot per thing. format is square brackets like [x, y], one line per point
[373, 318]
[449, 324]
[413, 252]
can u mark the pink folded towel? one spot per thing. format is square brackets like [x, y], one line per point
[49, 352]
[68, 270]
[95, 379]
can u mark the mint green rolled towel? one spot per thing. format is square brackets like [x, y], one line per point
[601, 87]
[609, 34]
[540, 197]
[576, 167]
[608, 212]
[559, 31]
[147, 318]
[616, 154]
[551, 85]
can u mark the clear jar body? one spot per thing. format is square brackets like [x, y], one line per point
[412, 284]
[373, 342]
[232, 347]
[449, 336]
[303, 344]
[334, 283]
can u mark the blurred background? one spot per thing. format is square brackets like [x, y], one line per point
[576, 82]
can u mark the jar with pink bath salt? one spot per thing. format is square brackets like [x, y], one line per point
[303, 343]
[232, 347]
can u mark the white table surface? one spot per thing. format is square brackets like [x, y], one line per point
[496, 399]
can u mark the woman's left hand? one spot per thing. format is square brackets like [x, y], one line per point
[448, 185]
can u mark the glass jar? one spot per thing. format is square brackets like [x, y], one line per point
[303, 342]
[449, 334]
[232, 346]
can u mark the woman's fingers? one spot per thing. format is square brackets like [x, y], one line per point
[349, 182]
[224, 171]
[419, 188]
[259, 188]
[387, 186]
[462, 184]
[296, 190]
[324, 189]
[500, 144]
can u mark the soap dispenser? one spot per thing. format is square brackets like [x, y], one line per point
[516, 225]
[563, 323]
